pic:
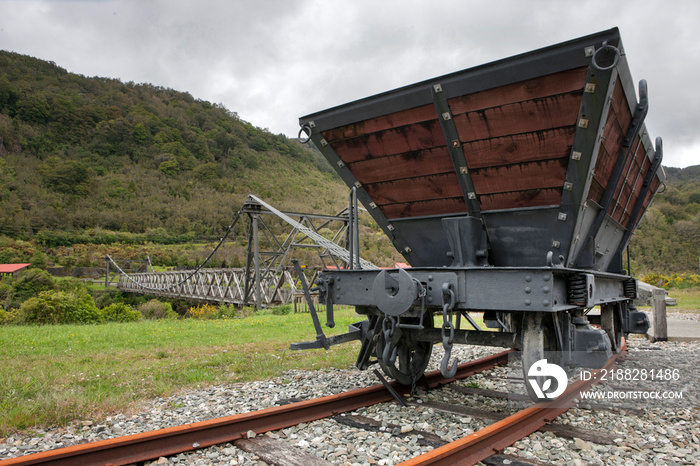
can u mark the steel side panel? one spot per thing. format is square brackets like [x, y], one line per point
[607, 240]
[479, 289]
[429, 234]
[520, 237]
[522, 290]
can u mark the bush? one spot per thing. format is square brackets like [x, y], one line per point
[672, 281]
[31, 282]
[155, 309]
[209, 311]
[9, 317]
[120, 312]
[59, 307]
[227, 311]
[71, 285]
[107, 297]
[203, 312]
[282, 310]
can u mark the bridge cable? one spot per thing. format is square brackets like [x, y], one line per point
[195, 271]
[334, 249]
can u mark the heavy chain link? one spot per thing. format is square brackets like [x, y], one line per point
[390, 350]
[448, 330]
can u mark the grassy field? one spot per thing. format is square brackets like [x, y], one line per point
[50, 375]
[688, 299]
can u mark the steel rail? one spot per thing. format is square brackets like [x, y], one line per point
[495, 437]
[174, 440]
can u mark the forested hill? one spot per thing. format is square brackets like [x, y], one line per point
[82, 152]
[668, 238]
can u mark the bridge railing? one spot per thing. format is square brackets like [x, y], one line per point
[277, 285]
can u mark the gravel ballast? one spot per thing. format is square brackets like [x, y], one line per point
[652, 432]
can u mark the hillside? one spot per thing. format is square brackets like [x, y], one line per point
[82, 157]
[668, 237]
[81, 152]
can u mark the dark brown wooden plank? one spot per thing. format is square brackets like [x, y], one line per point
[621, 202]
[278, 453]
[367, 423]
[415, 189]
[540, 87]
[425, 208]
[647, 200]
[613, 134]
[561, 430]
[520, 177]
[405, 139]
[520, 199]
[512, 460]
[620, 106]
[632, 187]
[382, 123]
[406, 165]
[616, 125]
[523, 117]
[529, 147]
[396, 141]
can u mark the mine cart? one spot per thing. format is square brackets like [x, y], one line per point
[512, 189]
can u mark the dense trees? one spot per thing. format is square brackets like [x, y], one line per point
[81, 152]
[668, 238]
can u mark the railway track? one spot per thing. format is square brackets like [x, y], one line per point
[241, 428]
[501, 434]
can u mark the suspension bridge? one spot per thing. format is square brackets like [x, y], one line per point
[267, 278]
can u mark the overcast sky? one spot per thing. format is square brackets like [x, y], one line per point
[272, 61]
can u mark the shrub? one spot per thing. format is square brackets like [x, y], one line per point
[155, 309]
[282, 310]
[227, 311]
[107, 297]
[31, 282]
[71, 285]
[203, 312]
[672, 281]
[59, 307]
[120, 312]
[11, 316]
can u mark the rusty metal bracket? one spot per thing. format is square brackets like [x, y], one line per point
[312, 309]
[390, 389]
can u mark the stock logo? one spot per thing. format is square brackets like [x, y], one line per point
[548, 381]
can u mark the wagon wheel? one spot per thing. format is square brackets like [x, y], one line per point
[611, 322]
[539, 341]
[412, 356]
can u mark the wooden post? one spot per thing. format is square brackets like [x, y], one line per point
[256, 262]
[659, 303]
[106, 273]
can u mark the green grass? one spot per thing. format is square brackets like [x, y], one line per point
[51, 375]
[688, 299]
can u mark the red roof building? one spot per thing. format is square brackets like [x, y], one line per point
[9, 269]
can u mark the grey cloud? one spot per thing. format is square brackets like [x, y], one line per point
[273, 61]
